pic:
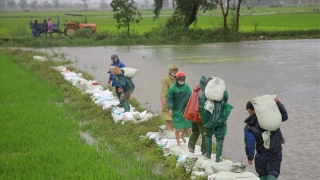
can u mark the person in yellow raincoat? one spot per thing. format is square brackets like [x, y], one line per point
[167, 82]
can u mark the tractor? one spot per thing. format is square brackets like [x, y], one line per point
[71, 27]
[43, 29]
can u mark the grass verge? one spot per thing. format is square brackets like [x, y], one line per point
[43, 117]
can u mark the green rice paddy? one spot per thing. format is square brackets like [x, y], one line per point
[268, 19]
[40, 128]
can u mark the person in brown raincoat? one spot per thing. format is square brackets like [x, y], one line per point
[167, 82]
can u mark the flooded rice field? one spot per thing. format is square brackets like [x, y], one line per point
[288, 68]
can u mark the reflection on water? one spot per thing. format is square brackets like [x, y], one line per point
[290, 69]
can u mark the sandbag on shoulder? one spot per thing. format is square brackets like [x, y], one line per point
[129, 72]
[215, 89]
[267, 111]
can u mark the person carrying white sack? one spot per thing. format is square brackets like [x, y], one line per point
[214, 112]
[125, 87]
[269, 155]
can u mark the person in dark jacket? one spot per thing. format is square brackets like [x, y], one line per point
[35, 29]
[44, 27]
[267, 161]
[112, 78]
[125, 87]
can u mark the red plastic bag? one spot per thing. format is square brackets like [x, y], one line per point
[191, 112]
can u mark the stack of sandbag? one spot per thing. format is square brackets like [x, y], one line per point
[225, 175]
[89, 84]
[105, 99]
[196, 163]
[132, 116]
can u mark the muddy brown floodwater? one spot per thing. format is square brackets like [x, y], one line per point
[288, 68]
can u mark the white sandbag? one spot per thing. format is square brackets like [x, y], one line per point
[129, 72]
[225, 175]
[40, 58]
[87, 85]
[132, 116]
[215, 89]
[221, 167]
[198, 174]
[267, 111]
[60, 68]
[211, 166]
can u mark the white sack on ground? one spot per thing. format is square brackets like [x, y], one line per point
[194, 163]
[133, 116]
[87, 85]
[105, 99]
[159, 135]
[60, 68]
[129, 72]
[40, 58]
[224, 175]
[215, 89]
[267, 111]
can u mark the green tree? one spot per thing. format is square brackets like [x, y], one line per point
[225, 12]
[55, 3]
[125, 13]
[2, 4]
[103, 4]
[85, 4]
[34, 5]
[23, 4]
[46, 5]
[188, 9]
[11, 4]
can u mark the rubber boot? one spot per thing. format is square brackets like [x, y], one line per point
[126, 106]
[208, 147]
[194, 137]
[271, 177]
[263, 177]
[203, 145]
[219, 146]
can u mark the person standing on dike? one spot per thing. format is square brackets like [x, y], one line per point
[167, 82]
[177, 100]
[116, 62]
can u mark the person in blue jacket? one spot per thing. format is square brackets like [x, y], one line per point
[267, 161]
[115, 62]
[35, 29]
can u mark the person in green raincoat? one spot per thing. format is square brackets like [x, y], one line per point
[177, 100]
[215, 123]
[126, 87]
[167, 82]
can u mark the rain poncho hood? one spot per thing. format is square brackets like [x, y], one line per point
[171, 68]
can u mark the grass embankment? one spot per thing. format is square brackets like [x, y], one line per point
[42, 116]
[288, 22]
